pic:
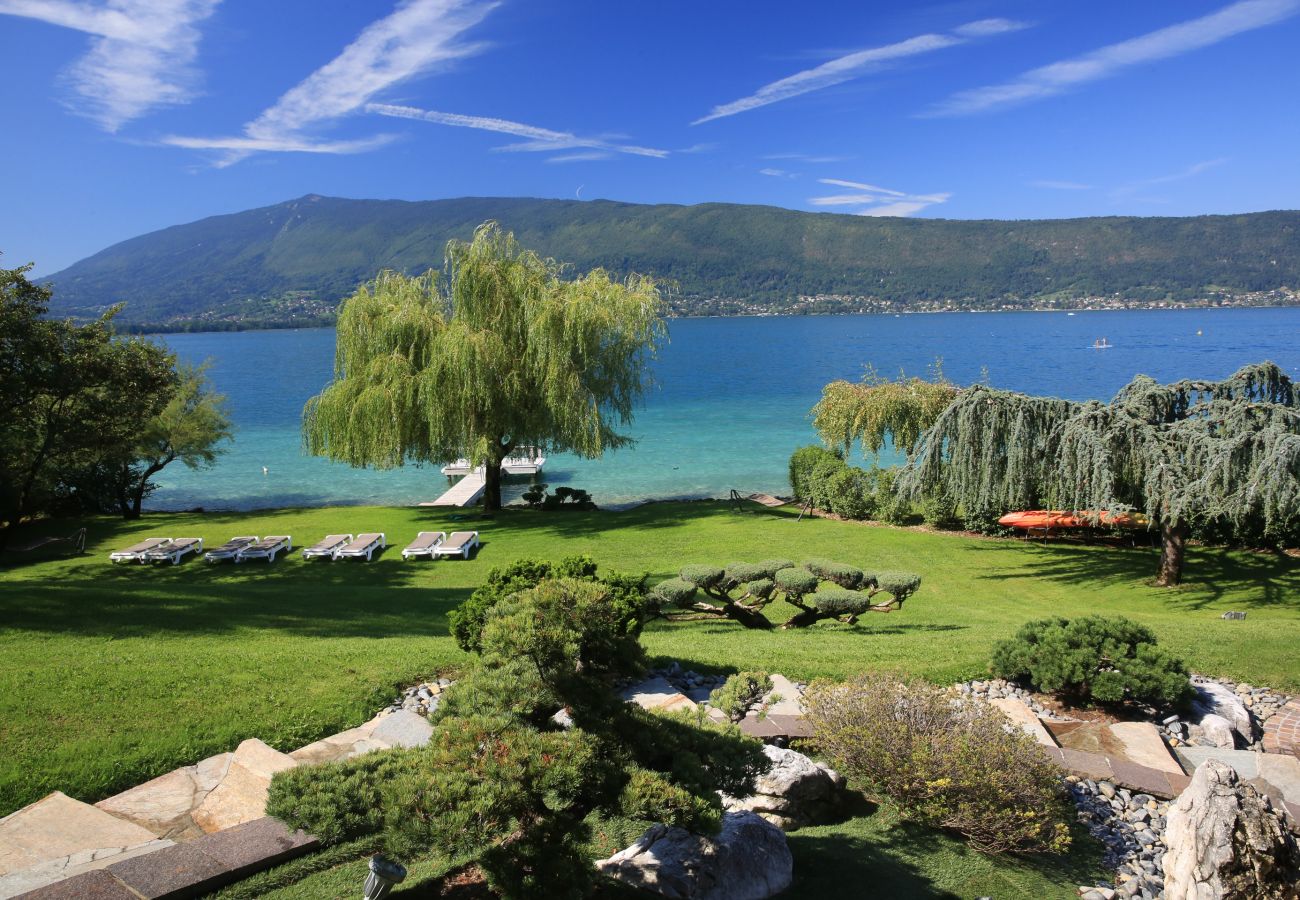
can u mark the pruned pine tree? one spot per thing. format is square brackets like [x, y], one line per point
[1184, 452]
[501, 355]
[819, 589]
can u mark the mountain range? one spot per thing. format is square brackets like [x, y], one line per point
[290, 264]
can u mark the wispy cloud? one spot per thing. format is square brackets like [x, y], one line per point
[1060, 185]
[418, 37]
[777, 173]
[873, 200]
[539, 140]
[844, 68]
[1133, 187]
[1105, 62]
[586, 156]
[805, 157]
[141, 56]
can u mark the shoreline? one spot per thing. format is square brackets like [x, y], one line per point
[151, 329]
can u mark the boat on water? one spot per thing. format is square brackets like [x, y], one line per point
[1102, 344]
[530, 463]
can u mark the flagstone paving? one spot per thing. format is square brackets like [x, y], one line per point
[1020, 713]
[1282, 730]
[58, 836]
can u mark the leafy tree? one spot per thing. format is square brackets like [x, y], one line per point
[509, 355]
[189, 428]
[1105, 658]
[819, 590]
[1184, 452]
[73, 395]
[879, 409]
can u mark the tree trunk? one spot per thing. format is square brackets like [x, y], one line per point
[492, 475]
[1173, 547]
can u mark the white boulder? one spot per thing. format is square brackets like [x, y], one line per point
[1226, 842]
[748, 859]
[796, 791]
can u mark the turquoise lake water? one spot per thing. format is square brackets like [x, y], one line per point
[731, 398]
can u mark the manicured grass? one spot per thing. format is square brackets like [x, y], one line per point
[116, 674]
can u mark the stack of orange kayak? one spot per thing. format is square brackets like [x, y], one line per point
[1055, 518]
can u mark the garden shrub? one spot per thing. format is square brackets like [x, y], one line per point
[739, 692]
[899, 585]
[466, 620]
[760, 589]
[796, 582]
[938, 511]
[890, 507]
[771, 566]
[501, 783]
[1093, 658]
[675, 592]
[838, 601]
[338, 801]
[838, 573]
[802, 462]
[819, 482]
[949, 763]
[740, 572]
[849, 493]
[702, 576]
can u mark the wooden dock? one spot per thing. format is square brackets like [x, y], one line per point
[463, 493]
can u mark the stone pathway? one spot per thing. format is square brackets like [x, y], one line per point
[181, 834]
[1282, 730]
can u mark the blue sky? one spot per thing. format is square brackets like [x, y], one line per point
[126, 116]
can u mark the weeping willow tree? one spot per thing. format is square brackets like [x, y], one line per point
[499, 354]
[877, 409]
[1181, 453]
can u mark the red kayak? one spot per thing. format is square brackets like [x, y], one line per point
[1055, 518]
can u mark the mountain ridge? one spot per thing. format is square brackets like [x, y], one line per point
[290, 263]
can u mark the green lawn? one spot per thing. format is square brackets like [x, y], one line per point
[115, 674]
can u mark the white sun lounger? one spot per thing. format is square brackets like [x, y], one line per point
[230, 549]
[175, 551]
[136, 552]
[461, 543]
[362, 545]
[424, 544]
[266, 548]
[327, 546]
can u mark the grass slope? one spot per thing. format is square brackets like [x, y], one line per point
[116, 674]
[325, 246]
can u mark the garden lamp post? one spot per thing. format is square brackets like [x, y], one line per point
[384, 873]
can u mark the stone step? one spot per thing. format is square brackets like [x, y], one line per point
[191, 869]
[57, 837]
[1020, 713]
[240, 796]
[166, 804]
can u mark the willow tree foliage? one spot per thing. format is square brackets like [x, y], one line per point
[877, 409]
[1181, 453]
[499, 355]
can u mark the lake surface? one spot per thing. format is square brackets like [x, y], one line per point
[731, 398]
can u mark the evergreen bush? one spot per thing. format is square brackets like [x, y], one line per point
[838, 573]
[802, 462]
[796, 582]
[1107, 659]
[740, 692]
[948, 763]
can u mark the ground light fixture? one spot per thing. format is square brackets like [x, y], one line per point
[383, 874]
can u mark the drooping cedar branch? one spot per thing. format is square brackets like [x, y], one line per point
[1184, 452]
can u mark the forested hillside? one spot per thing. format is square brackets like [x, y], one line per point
[291, 263]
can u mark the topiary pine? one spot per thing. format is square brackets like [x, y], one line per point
[1107, 659]
[822, 589]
